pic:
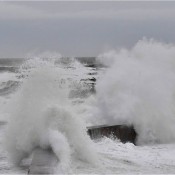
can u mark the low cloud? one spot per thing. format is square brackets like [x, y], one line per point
[17, 11]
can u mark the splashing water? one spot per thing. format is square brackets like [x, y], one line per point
[43, 115]
[138, 88]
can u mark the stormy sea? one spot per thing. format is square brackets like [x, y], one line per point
[49, 100]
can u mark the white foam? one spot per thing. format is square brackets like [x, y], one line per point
[5, 76]
[42, 115]
[138, 88]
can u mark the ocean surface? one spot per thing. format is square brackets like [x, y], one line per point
[49, 102]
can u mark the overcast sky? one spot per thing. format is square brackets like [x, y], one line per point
[81, 28]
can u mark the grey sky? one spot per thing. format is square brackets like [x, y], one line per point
[81, 28]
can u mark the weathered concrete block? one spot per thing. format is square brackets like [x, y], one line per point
[122, 132]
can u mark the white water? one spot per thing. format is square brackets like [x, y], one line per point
[42, 115]
[136, 88]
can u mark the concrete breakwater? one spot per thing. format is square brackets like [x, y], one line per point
[122, 132]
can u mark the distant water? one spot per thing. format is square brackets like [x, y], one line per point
[12, 71]
[8, 75]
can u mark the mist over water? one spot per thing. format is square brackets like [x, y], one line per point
[138, 88]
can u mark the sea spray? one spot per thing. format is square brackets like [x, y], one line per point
[43, 115]
[138, 88]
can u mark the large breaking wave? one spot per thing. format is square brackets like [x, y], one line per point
[138, 88]
[42, 114]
